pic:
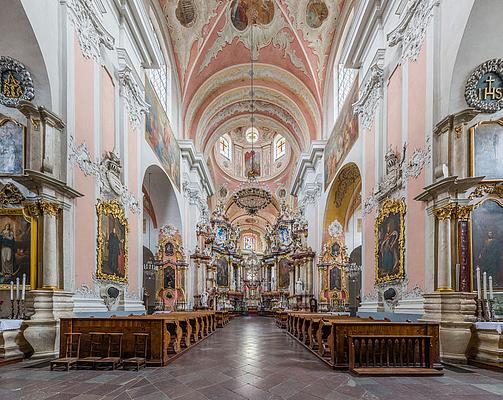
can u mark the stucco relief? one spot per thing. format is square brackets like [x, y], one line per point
[262, 72]
[90, 31]
[106, 172]
[267, 30]
[185, 35]
[370, 95]
[133, 95]
[411, 31]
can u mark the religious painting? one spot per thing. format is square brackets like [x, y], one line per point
[243, 11]
[486, 143]
[221, 235]
[487, 240]
[343, 136]
[112, 241]
[186, 12]
[169, 249]
[222, 272]
[169, 277]
[335, 279]
[390, 241]
[316, 13]
[12, 136]
[284, 273]
[18, 238]
[252, 163]
[335, 250]
[285, 236]
[159, 135]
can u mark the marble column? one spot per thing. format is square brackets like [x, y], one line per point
[50, 245]
[444, 269]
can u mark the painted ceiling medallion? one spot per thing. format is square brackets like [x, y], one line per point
[244, 11]
[316, 13]
[186, 12]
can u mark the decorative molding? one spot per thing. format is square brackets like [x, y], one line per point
[487, 189]
[472, 86]
[106, 172]
[273, 33]
[86, 292]
[453, 211]
[370, 95]
[90, 31]
[197, 163]
[411, 31]
[312, 191]
[49, 208]
[307, 162]
[346, 178]
[133, 95]
[195, 196]
[10, 195]
[335, 228]
[398, 172]
[20, 75]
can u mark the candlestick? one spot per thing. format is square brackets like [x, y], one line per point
[491, 294]
[485, 285]
[479, 295]
[11, 290]
[12, 309]
[23, 290]
[17, 288]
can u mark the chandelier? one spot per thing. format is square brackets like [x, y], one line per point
[252, 196]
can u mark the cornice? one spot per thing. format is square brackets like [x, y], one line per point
[307, 161]
[196, 162]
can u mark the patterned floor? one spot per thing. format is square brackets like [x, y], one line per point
[249, 359]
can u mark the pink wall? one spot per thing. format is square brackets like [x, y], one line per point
[134, 236]
[416, 139]
[85, 234]
[395, 110]
[368, 219]
[107, 112]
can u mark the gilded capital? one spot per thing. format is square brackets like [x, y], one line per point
[49, 208]
[445, 212]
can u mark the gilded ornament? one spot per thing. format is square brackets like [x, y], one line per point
[389, 208]
[10, 195]
[112, 209]
[49, 208]
[487, 189]
[445, 212]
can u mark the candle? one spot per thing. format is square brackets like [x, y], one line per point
[479, 296]
[23, 290]
[491, 294]
[485, 285]
[17, 288]
[11, 290]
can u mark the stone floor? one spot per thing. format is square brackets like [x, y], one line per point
[249, 359]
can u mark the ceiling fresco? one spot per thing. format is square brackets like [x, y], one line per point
[291, 43]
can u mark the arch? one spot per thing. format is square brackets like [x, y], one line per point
[19, 41]
[162, 198]
[344, 198]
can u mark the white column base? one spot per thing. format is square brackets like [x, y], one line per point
[370, 306]
[410, 306]
[88, 304]
[42, 331]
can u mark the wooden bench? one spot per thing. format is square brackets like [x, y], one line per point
[381, 355]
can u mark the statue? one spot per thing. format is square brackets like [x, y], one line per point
[204, 299]
[299, 286]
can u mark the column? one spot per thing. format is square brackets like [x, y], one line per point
[444, 273]
[50, 245]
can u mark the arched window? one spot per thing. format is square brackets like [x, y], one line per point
[279, 147]
[224, 147]
[249, 242]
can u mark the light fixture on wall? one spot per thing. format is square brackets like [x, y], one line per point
[252, 196]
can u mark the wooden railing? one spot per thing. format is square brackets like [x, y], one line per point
[391, 354]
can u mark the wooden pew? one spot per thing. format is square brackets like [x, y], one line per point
[169, 334]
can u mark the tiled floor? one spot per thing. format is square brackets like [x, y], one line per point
[249, 359]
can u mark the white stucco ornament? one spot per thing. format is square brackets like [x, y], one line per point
[335, 228]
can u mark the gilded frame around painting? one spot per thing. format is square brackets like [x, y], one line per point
[31, 282]
[112, 209]
[390, 209]
[471, 161]
[473, 247]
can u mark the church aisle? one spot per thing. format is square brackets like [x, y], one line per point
[249, 359]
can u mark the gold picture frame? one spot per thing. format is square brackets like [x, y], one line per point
[114, 211]
[31, 282]
[471, 160]
[391, 214]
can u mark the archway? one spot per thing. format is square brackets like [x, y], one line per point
[160, 208]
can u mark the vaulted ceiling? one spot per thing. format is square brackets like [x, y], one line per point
[292, 47]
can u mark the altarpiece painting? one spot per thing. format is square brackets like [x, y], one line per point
[486, 143]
